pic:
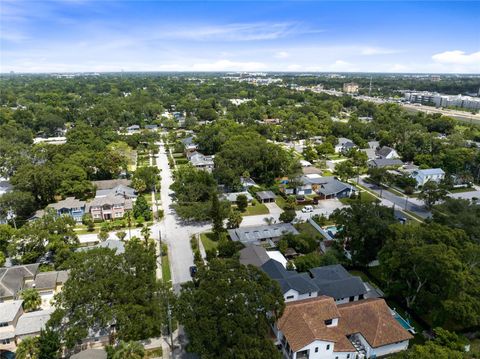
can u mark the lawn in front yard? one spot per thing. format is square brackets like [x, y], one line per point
[364, 197]
[255, 208]
[207, 241]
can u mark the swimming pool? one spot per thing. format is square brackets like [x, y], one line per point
[404, 323]
[332, 230]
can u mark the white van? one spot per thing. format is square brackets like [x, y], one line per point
[307, 209]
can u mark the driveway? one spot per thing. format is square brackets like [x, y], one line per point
[467, 195]
[273, 208]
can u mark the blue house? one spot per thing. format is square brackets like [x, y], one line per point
[70, 206]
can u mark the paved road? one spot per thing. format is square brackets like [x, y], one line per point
[173, 232]
[410, 204]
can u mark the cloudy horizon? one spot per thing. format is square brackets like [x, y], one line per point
[135, 36]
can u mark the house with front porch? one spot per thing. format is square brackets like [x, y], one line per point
[70, 206]
[109, 207]
[319, 328]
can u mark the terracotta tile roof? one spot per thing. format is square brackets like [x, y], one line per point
[303, 322]
[372, 318]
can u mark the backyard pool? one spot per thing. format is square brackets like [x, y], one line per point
[404, 323]
[332, 230]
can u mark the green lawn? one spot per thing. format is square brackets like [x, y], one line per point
[207, 242]
[282, 202]
[257, 209]
[166, 274]
[461, 190]
[153, 353]
[336, 156]
[364, 197]
[307, 228]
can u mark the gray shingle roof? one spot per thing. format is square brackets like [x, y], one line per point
[334, 187]
[68, 203]
[12, 278]
[301, 282]
[48, 280]
[253, 255]
[232, 197]
[266, 195]
[108, 184]
[110, 200]
[384, 162]
[8, 310]
[120, 190]
[254, 234]
[384, 151]
[33, 322]
[334, 281]
[90, 354]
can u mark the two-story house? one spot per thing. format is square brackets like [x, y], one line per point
[70, 206]
[319, 328]
[109, 207]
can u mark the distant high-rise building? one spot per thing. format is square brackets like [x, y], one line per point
[350, 87]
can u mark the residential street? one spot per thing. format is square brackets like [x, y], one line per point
[173, 232]
[413, 204]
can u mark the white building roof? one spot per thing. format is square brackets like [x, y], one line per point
[278, 256]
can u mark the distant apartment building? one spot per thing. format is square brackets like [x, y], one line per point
[350, 87]
[439, 100]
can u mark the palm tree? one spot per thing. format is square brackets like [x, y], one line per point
[31, 299]
[269, 220]
[145, 233]
[129, 350]
[27, 349]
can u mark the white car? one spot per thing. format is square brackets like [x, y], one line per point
[307, 209]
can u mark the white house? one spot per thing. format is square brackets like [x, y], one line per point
[343, 145]
[430, 174]
[387, 153]
[318, 328]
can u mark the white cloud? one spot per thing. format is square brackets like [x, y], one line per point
[368, 51]
[227, 65]
[281, 55]
[294, 67]
[457, 57]
[235, 32]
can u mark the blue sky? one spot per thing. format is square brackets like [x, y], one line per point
[378, 36]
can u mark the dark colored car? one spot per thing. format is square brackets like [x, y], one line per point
[193, 271]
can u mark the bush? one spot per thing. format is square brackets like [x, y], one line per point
[287, 216]
[194, 243]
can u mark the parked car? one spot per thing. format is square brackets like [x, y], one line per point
[193, 271]
[307, 209]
